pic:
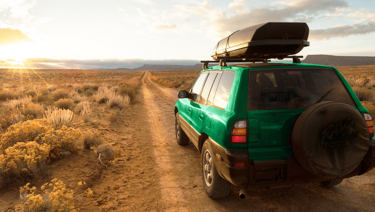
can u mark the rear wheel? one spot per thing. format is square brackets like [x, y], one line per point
[214, 185]
[181, 137]
[331, 183]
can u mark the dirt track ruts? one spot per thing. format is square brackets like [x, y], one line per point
[180, 178]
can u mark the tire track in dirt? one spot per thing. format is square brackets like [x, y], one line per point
[172, 196]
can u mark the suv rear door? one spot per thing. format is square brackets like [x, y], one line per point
[276, 97]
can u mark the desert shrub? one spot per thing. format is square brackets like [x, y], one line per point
[30, 93]
[105, 153]
[129, 91]
[62, 141]
[55, 197]
[7, 95]
[15, 103]
[74, 95]
[23, 132]
[91, 140]
[59, 117]
[51, 87]
[119, 101]
[43, 91]
[33, 111]
[23, 160]
[65, 104]
[363, 94]
[60, 94]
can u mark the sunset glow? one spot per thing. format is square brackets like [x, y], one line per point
[98, 34]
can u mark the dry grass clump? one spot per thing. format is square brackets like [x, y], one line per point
[103, 94]
[83, 108]
[54, 197]
[127, 91]
[87, 90]
[105, 153]
[60, 94]
[11, 115]
[30, 93]
[74, 95]
[59, 117]
[370, 107]
[15, 103]
[363, 94]
[119, 101]
[66, 104]
[91, 140]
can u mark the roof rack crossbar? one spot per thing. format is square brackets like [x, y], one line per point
[223, 61]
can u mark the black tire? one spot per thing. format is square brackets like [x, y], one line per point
[331, 183]
[181, 136]
[217, 187]
[330, 139]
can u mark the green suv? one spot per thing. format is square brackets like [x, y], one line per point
[273, 124]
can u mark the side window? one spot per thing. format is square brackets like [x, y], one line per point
[210, 100]
[223, 90]
[207, 88]
[198, 85]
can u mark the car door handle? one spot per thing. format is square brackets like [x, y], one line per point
[201, 116]
[189, 110]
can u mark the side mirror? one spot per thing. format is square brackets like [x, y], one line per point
[182, 94]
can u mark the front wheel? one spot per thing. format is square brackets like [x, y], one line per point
[214, 185]
[181, 137]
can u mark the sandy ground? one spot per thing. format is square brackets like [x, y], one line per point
[153, 173]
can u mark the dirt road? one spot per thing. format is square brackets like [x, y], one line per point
[153, 173]
[180, 178]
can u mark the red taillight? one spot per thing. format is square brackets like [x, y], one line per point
[239, 165]
[369, 122]
[239, 132]
[238, 139]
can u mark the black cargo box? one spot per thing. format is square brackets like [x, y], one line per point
[263, 41]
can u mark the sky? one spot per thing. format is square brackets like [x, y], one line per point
[94, 34]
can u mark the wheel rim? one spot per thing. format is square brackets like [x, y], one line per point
[207, 168]
[177, 128]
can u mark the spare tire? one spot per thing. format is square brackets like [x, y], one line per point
[330, 139]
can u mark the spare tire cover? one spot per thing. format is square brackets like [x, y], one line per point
[330, 139]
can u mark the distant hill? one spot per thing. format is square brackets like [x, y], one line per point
[331, 60]
[164, 67]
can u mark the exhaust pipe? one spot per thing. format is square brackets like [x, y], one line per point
[242, 193]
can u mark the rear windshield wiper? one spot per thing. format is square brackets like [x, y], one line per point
[324, 96]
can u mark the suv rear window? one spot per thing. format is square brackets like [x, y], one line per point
[294, 88]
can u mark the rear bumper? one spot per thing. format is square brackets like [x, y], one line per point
[275, 172]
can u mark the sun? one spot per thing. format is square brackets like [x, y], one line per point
[16, 54]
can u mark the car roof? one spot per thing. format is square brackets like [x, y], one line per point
[256, 66]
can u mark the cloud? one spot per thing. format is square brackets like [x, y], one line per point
[47, 63]
[342, 31]
[220, 23]
[17, 8]
[12, 36]
[165, 26]
[145, 2]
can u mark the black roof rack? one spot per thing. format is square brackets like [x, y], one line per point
[223, 61]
